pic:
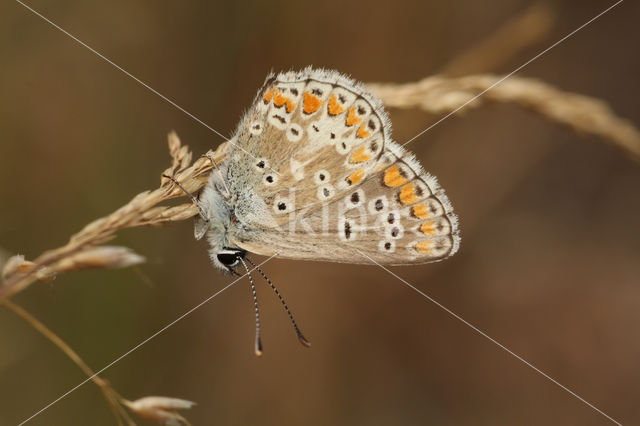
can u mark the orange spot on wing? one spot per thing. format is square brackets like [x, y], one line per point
[279, 99]
[359, 156]
[393, 177]
[290, 105]
[362, 132]
[424, 246]
[356, 177]
[408, 194]
[268, 96]
[428, 228]
[352, 118]
[310, 103]
[334, 107]
[420, 211]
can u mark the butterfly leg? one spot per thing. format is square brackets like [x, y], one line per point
[194, 200]
[215, 166]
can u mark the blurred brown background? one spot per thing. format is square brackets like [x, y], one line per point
[550, 256]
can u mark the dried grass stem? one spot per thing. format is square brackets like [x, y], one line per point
[585, 114]
[142, 210]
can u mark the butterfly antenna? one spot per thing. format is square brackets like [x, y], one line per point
[301, 337]
[215, 165]
[258, 342]
[194, 200]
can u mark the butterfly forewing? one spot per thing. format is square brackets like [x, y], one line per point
[318, 177]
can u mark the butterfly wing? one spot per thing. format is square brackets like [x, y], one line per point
[315, 175]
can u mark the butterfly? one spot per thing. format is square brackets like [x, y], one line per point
[313, 174]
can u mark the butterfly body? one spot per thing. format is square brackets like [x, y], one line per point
[312, 173]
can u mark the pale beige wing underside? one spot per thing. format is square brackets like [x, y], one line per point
[318, 152]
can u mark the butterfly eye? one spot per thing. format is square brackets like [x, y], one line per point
[228, 259]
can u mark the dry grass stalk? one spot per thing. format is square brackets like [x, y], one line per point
[85, 249]
[161, 409]
[116, 402]
[441, 95]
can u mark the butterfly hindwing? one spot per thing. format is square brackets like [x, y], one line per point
[318, 177]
